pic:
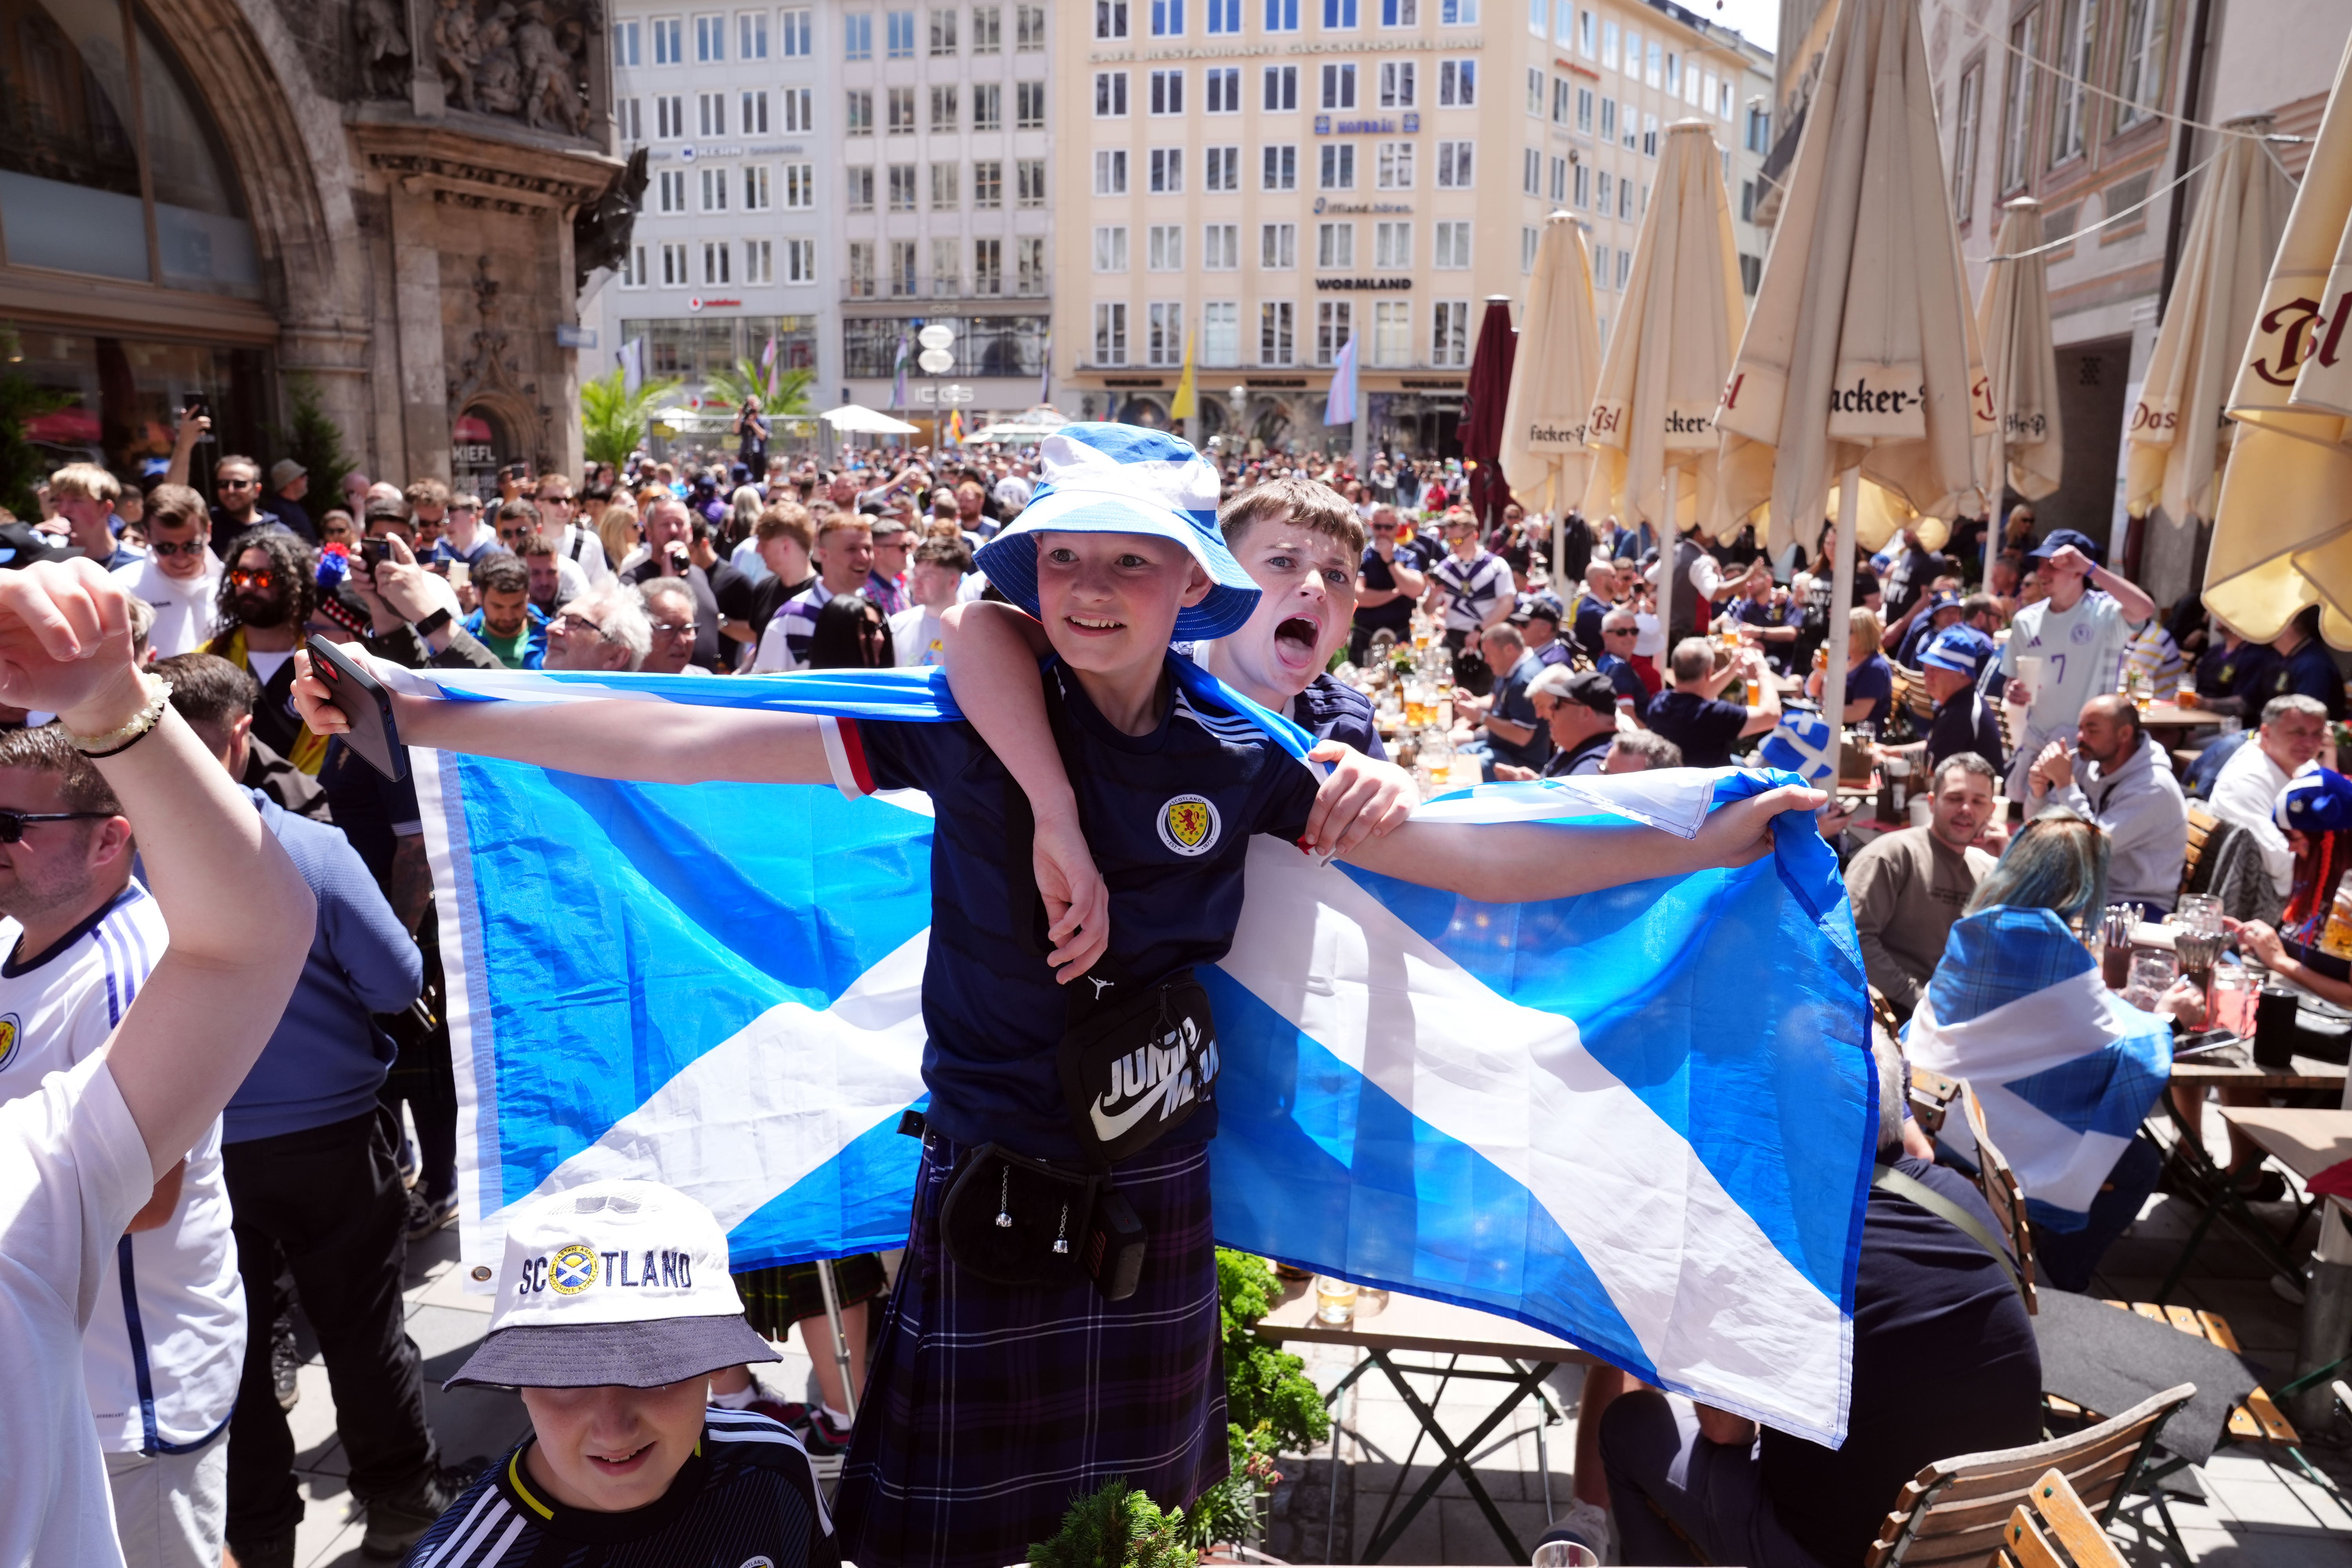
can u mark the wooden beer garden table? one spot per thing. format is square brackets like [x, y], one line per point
[1416, 1324]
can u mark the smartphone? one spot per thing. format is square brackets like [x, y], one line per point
[374, 552]
[362, 699]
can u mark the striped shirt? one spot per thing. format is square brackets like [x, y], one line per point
[747, 1495]
[1472, 588]
[786, 644]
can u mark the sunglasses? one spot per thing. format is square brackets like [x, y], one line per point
[12, 823]
[261, 579]
[240, 484]
[166, 549]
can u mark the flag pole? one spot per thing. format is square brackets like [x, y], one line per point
[1840, 614]
[840, 1336]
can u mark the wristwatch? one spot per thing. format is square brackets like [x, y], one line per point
[434, 622]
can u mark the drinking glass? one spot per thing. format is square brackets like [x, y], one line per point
[2153, 971]
[2197, 951]
[1564, 1554]
[2232, 998]
[1335, 1299]
[2201, 913]
[2114, 942]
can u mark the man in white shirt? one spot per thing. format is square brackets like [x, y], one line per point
[574, 540]
[2293, 733]
[165, 1346]
[83, 1151]
[933, 581]
[2079, 638]
[180, 577]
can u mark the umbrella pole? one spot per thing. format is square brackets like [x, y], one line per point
[1667, 542]
[825, 1282]
[1841, 608]
[1555, 487]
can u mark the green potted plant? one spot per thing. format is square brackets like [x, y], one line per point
[1117, 1527]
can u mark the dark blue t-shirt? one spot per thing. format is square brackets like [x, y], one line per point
[1704, 727]
[1628, 682]
[1512, 705]
[1395, 615]
[1965, 722]
[2309, 671]
[1875, 680]
[1333, 711]
[1169, 817]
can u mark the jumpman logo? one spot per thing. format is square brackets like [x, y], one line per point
[1100, 986]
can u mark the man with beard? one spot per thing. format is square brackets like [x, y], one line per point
[266, 595]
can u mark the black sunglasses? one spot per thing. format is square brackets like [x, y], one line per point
[12, 823]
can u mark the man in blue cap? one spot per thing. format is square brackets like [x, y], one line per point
[2077, 638]
[1938, 613]
[1965, 721]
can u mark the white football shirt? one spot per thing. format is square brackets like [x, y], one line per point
[186, 609]
[2081, 650]
[166, 1337]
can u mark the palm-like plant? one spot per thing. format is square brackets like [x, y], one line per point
[612, 418]
[745, 378]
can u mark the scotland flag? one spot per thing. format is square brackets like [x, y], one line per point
[2063, 1068]
[1641, 1119]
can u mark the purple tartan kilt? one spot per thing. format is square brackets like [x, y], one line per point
[990, 1407]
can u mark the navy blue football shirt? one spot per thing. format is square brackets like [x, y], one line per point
[1167, 816]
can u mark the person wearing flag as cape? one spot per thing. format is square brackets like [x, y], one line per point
[1056, 1320]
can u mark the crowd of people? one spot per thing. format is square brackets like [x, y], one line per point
[278, 1127]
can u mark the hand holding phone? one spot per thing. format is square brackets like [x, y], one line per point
[364, 704]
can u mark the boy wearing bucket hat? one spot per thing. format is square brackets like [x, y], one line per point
[614, 1307]
[1056, 1323]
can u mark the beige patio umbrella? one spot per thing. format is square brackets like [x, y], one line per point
[2021, 364]
[2174, 462]
[1543, 457]
[1861, 361]
[2282, 531]
[1652, 427]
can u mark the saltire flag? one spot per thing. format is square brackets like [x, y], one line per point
[898, 374]
[631, 357]
[1643, 1118]
[1339, 403]
[768, 363]
[2063, 1068]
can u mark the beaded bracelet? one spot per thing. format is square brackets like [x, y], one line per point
[114, 743]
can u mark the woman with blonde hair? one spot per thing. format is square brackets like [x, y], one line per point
[1869, 679]
[619, 530]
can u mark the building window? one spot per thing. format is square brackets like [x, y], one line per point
[793, 30]
[1609, 120]
[902, 187]
[1281, 88]
[1751, 273]
[1449, 335]
[1280, 171]
[1282, 16]
[1163, 248]
[1588, 42]
[1625, 270]
[1760, 128]
[751, 39]
[1584, 110]
[1394, 171]
[1030, 251]
[669, 191]
[1340, 85]
[900, 33]
[1029, 104]
[1224, 15]
[1674, 74]
[628, 39]
[860, 194]
[945, 197]
[943, 34]
[1277, 247]
[1110, 329]
[1531, 173]
[988, 29]
[1111, 247]
[1607, 191]
[987, 106]
[1276, 331]
[1110, 18]
[674, 275]
[1336, 166]
[1601, 267]
[1559, 181]
[1534, 91]
[800, 261]
[1562, 92]
[1335, 245]
[1400, 13]
[1649, 136]
[1966, 127]
[1655, 73]
[1453, 165]
[1453, 246]
[1609, 44]
[1030, 174]
[800, 186]
[1167, 18]
[861, 269]
[987, 263]
[1457, 84]
[716, 255]
[2139, 65]
[858, 119]
[1528, 258]
[2078, 27]
[754, 107]
[1167, 171]
[1221, 333]
[904, 279]
[1110, 171]
[1458, 13]
[901, 101]
[1029, 29]
[632, 268]
[1582, 183]
[758, 261]
[710, 113]
[987, 184]
[1335, 324]
[1392, 245]
[757, 196]
[1221, 248]
[629, 120]
[1393, 332]
[1168, 93]
[2024, 76]
[1223, 86]
[1225, 169]
[1397, 84]
[1339, 14]
[1110, 95]
[945, 110]
[946, 268]
[1626, 200]
[709, 39]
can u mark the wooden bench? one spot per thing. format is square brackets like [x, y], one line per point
[2201, 824]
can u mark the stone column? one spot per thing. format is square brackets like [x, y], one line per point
[417, 348]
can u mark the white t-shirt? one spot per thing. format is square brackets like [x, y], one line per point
[189, 1339]
[186, 612]
[2080, 649]
[2246, 792]
[73, 1170]
[746, 558]
[582, 546]
[915, 636]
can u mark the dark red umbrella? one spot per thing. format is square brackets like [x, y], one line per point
[1481, 430]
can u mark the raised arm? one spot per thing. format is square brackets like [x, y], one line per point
[653, 742]
[214, 996]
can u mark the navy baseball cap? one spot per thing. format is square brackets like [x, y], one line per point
[2060, 539]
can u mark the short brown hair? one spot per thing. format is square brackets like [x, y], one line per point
[85, 481]
[179, 506]
[1318, 508]
[499, 573]
[946, 551]
[517, 510]
[788, 518]
[427, 493]
[211, 694]
[843, 522]
[47, 750]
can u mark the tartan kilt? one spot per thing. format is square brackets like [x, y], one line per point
[990, 1408]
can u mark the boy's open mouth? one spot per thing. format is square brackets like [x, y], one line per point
[1094, 626]
[623, 1462]
[1297, 635]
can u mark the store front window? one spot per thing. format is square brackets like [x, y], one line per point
[117, 399]
[480, 444]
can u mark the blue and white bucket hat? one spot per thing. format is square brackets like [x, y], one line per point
[1123, 479]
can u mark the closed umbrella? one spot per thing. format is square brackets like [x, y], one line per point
[2179, 434]
[1543, 451]
[2021, 363]
[1481, 430]
[2283, 535]
[852, 419]
[1652, 426]
[1860, 361]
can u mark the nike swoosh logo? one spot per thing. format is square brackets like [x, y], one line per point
[1108, 1128]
